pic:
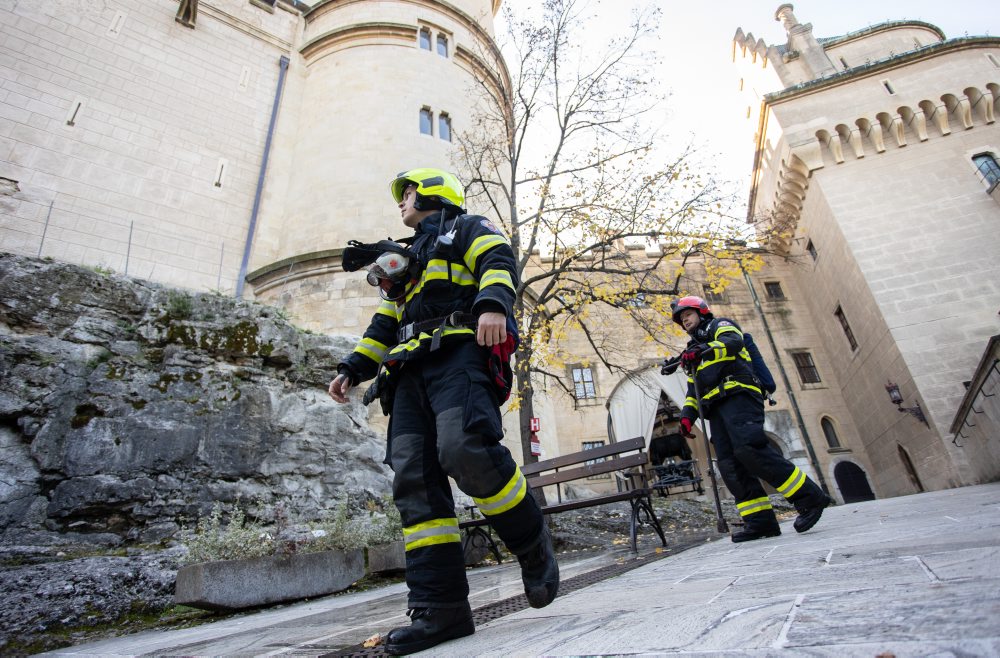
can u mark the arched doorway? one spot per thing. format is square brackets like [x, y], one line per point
[852, 482]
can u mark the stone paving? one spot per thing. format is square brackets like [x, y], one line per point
[910, 576]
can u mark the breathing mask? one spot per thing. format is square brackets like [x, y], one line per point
[391, 266]
[390, 273]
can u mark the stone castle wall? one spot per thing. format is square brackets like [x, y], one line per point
[168, 127]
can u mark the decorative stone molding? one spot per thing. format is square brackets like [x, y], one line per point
[351, 35]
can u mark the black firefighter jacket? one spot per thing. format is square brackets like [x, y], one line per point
[725, 370]
[476, 274]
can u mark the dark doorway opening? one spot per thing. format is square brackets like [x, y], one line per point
[852, 482]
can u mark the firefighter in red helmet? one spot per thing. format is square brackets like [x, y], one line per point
[733, 404]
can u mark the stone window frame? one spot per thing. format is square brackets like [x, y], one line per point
[429, 113]
[589, 396]
[806, 371]
[834, 445]
[435, 34]
[444, 125]
[846, 326]
[991, 176]
[770, 287]
[421, 32]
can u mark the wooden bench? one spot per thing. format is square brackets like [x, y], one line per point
[626, 459]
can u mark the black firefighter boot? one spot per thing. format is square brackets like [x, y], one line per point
[430, 627]
[540, 572]
[758, 525]
[758, 531]
[810, 509]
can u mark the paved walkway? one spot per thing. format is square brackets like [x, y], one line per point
[910, 576]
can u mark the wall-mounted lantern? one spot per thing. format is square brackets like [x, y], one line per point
[897, 399]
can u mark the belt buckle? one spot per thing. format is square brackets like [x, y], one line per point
[406, 333]
[452, 319]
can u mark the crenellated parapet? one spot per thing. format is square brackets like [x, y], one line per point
[882, 131]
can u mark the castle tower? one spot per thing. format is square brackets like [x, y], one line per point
[381, 87]
[877, 151]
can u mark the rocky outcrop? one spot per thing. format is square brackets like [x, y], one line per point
[128, 409]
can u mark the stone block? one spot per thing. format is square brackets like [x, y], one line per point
[237, 584]
[387, 557]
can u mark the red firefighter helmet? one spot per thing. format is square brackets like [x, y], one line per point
[691, 301]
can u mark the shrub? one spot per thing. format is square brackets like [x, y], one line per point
[239, 539]
[242, 538]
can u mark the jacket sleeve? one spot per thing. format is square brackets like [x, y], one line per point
[487, 254]
[363, 363]
[727, 339]
[690, 409]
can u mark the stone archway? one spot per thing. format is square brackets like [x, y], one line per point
[852, 482]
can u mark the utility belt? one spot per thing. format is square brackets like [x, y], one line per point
[724, 391]
[456, 319]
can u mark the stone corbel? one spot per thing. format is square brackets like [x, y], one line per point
[920, 124]
[875, 133]
[898, 131]
[941, 119]
[964, 111]
[859, 148]
[987, 100]
[836, 148]
[187, 13]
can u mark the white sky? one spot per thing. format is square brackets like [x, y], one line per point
[694, 44]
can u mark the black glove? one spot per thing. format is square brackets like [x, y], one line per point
[344, 369]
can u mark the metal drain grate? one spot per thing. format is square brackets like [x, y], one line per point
[517, 603]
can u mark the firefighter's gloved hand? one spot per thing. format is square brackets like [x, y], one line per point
[686, 425]
[691, 357]
[500, 370]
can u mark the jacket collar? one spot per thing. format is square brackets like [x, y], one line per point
[429, 224]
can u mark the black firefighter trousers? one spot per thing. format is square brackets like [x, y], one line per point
[446, 422]
[744, 455]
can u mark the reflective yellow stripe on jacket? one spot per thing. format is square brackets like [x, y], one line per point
[481, 245]
[496, 277]
[438, 270]
[390, 309]
[429, 533]
[372, 349]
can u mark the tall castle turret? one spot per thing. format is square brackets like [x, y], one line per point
[382, 87]
[876, 153]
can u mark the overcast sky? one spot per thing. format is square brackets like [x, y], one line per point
[694, 44]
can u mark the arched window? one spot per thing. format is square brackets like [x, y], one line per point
[426, 121]
[988, 168]
[830, 433]
[425, 39]
[442, 42]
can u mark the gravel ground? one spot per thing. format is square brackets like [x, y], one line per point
[52, 599]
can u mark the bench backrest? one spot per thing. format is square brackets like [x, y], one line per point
[613, 456]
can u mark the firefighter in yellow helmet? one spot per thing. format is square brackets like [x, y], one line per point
[732, 402]
[439, 346]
